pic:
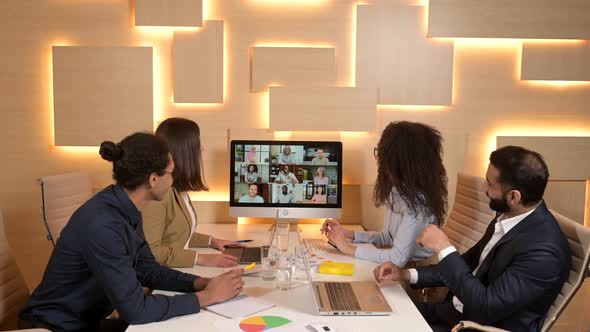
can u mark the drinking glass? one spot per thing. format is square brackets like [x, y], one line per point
[269, 264]
[284, 271]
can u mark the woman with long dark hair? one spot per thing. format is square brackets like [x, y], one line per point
[412, 185]
[170, 224]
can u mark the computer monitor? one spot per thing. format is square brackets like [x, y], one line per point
[286, 179]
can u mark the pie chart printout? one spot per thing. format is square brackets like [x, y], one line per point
[262, 323]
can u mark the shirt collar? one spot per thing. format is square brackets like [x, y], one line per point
[127, 206]
[507, 224]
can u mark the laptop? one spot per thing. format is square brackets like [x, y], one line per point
[347, 298]
[318, 245]
[247, 255]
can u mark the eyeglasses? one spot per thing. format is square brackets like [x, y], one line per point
[375, 151]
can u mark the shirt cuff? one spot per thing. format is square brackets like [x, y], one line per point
[196, 256]
[445, 252]
[413, 276]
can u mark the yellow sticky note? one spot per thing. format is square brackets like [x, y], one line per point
[249, 267]
[328, 267]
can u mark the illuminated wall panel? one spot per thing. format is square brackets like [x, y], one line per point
[567, 198]
[563, 62]
[292, 66]
[540, 19]
[101, 93]
[198, 64]
[394, 55]
[169, 13]
[250, 133]
[322, 108]
[568, 158]
[213, 212]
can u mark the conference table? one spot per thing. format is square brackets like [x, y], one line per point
[295, 304]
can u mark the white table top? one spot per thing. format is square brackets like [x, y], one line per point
[296, 303]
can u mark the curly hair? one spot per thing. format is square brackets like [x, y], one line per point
[255, 168]
[184, 139]
[409, 158]
[136, 158]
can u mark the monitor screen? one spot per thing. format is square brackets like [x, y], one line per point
[286, 174]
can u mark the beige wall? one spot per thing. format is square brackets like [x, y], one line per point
[488, 99]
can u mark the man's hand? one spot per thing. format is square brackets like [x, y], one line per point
[200, 283]
[221, 288]
[220, 244]
[434, 239]
[218, 260]
[390, 271]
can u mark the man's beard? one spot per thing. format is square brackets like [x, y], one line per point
[499, 205]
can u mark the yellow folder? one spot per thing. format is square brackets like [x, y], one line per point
[346, 269]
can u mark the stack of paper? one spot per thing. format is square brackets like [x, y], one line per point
[240, 306]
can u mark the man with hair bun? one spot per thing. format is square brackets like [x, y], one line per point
[102, 262]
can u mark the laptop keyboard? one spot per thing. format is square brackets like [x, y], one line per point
[341, 296]
[251, 255]
[316, 244]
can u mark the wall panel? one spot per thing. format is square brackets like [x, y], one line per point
[328, 108]
[563, 62]
[567, 158]
[567, 198]
[186, 13]
[539, 19]
[101, 93]
[292, 66]
[198, 64]
[393, 54]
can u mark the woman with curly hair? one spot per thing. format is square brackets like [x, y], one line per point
[412, 185]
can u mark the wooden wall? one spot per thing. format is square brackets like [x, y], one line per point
[473, 90]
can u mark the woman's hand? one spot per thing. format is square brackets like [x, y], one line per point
[333, 224]
[220, 244]
[336, 237]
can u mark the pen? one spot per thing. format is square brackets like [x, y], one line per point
[244, 241]
[332, 244]
[249, 267]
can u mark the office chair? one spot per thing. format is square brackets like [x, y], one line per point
[61, 195]
[14, 292]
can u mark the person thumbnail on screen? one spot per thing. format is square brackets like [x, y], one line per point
[252, 194]
[285, 176]
[320, 195]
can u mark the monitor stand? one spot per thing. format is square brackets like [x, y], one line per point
[280, 225]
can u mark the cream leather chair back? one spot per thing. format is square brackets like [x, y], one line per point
[14, 292]
[61, 196]
[471, 214]
[578, 237]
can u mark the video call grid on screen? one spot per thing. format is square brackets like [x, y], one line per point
[286, 174]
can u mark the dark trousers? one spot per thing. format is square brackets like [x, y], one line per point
[440, 316]
[110, 325]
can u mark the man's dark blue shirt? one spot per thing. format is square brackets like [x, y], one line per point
[102, 262]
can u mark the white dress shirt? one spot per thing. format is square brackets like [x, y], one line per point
[501, 228]
[191, 211]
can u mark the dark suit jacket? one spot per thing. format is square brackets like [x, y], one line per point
[518, 280]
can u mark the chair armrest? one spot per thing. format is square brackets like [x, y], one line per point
[467, 324]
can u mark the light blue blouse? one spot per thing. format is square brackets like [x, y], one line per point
[401, 227]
